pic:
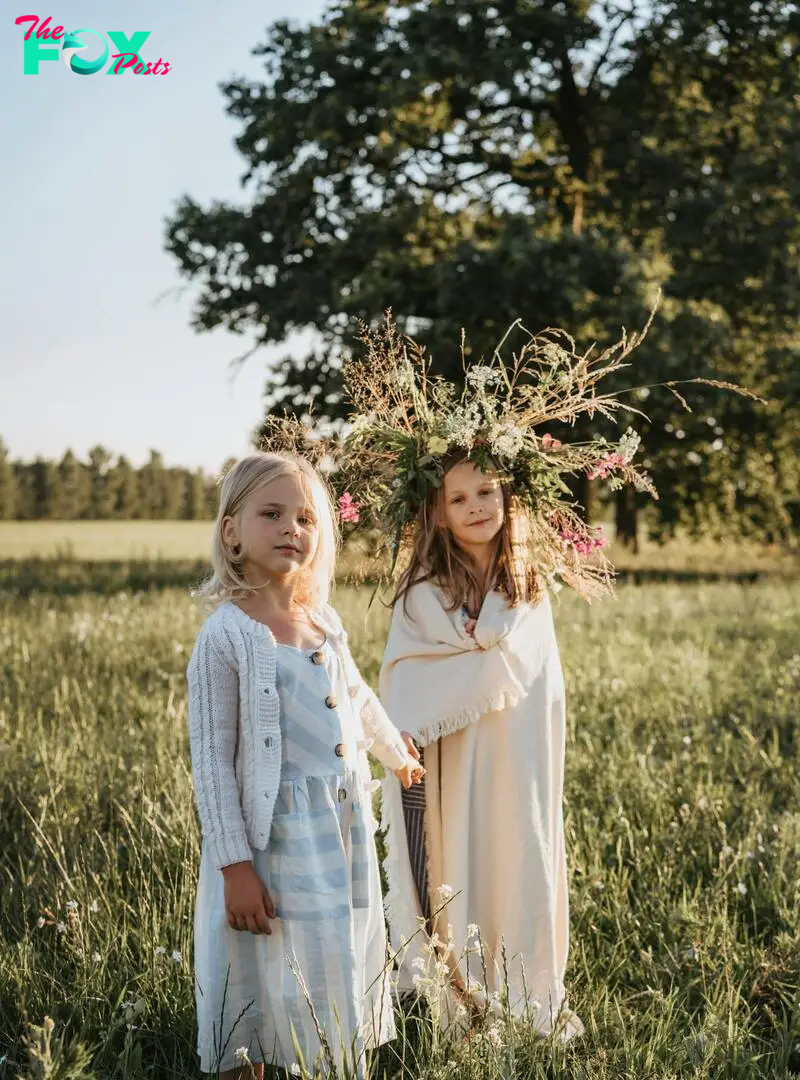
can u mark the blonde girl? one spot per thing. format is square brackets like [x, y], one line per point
[290, 949]
[472, 670]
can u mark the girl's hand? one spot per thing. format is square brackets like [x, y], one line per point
[248, 905]
[410, 745]
[410, 774]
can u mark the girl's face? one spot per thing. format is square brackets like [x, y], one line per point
[472, 506]
[276, 529]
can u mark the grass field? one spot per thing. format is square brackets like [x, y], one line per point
[683, 829]
[190, 541]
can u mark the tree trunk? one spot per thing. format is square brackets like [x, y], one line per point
[583, 491]
[627, 519]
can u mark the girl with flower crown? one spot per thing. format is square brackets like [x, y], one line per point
[472, 671]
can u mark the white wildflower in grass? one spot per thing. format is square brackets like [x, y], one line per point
[445, 893]
[96, 957]
[628, 445]
[295, 1070]
[241, 1056]
[702, 803]
[741, 888]
[419, 964]
[94, 907]
[40, 922]
[72, 905]
[61, 928]
[161, 950]
[473, 930]
[177, 956]
[726, 851]
[495, 1036]
[687, 740]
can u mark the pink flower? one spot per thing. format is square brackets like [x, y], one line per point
[606, 465]
[348, 510]
[549, 443]
[583, 543]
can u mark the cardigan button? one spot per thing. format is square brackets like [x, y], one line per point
[268, 742]
[318, 657]
[330, 701]
[266, 690]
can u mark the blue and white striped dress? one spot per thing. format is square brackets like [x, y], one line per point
[328, 944]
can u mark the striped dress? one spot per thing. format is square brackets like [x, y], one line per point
[328, 947]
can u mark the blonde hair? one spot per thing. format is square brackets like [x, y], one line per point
[247, 476]
[436, 557]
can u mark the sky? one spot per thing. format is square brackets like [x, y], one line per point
[92, 166]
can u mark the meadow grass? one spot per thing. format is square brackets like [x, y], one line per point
[682, 824]
[187, 542]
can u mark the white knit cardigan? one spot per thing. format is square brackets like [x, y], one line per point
[235, 733]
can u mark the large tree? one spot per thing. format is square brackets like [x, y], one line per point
[468, 163]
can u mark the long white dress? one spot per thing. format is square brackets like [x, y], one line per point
[328, 945]
[493, 822]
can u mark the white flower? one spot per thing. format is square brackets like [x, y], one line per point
[96, 957]
[628, 445]
[445, 893]
[726, 852]
[741, 888]
[72, 905]
[555, 354]
[419, 964]
[473, 930]
[161, 950]
[240, 1055]
[494, 1036]
[93, 907]
[40, 922]
[507, 441]
[687, 740]
[177, 956]
[61, 928]
[295, 1070]
[480, 376]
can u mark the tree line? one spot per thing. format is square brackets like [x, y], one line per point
[105, 487]
[467, 163]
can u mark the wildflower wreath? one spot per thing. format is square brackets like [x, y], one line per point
[407, 426]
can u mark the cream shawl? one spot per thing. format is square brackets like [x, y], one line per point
[435, 680]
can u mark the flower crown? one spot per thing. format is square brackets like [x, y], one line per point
[408, 426]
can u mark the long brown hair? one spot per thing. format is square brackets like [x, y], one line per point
[436, 557]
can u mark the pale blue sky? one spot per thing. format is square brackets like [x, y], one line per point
[91, 166]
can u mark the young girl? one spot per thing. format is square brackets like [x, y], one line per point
[472, 671]
[290, 949]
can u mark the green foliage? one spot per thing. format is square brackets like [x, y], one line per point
[102, 490]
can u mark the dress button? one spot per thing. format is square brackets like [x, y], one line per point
[330, 701]
[265, 690]
[340, 749]
[342, 794]
[268, 741]
[318, 657]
